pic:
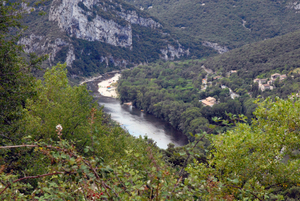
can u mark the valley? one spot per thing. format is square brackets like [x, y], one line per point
[133, 120]
[149, 100]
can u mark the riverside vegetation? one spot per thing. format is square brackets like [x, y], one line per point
[172, 90]
[56, 144]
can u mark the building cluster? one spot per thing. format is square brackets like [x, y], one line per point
[209, 101]
[264, 84]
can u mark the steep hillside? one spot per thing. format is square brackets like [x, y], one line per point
[261, 60]
[177, 91]
[100, 35]
[230, 23]
[276, 55]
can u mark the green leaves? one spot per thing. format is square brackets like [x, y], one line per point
[234, 181]
[249, 160]
[245, 163]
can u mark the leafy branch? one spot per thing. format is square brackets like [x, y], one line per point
[32, 177]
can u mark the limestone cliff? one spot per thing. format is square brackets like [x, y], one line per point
[216, 47]
[98, 35]
[171, 53]
[76, 22]
[42, 44]
[294, 5]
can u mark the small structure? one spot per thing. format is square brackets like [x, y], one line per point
[265, 87]
[270, 82]
[263, 84]
[282, 77]
[275, 76]
[217, 77]
[129, 103]
[263, 81]
[233, 71]
[204, 81]
[260, 81]
[209, 101]
[256, 80]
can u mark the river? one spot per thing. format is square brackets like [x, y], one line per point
[139, 123]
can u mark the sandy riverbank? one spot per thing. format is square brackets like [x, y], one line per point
[108, 87]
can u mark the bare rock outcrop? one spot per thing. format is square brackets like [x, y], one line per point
[215, 46]
[77, 23]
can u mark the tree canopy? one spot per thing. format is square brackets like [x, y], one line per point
[259, 161]
[57, 144]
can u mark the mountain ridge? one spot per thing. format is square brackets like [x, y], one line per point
[229, 23]
[99, 36]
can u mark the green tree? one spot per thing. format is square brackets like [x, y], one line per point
[16, 83]
[86, 149]
[253, 162]
[57, 102]
[187, 116]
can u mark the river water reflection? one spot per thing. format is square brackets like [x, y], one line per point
[139, 123]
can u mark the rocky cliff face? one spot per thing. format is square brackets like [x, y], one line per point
[42, 44]
[79, 19]
[133, 18]
[171, 53]
[92, 35]
[216, 47]
[294, 5]
[82, 25]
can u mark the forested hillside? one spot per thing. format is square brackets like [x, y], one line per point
[261, 60]
[57, 144]
[173, 90]
[230, 23]
[96, 37]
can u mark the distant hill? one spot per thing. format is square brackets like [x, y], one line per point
[261, 60]
[176, 91]
[230, 23]
[279, 54]
[99, 36]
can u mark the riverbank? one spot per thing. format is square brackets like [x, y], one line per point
[139, 123]
[136, 122]
[108, 87]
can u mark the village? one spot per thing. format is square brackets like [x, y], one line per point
[211, 101]
[263, 84]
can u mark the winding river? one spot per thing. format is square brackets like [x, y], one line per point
[139, 123]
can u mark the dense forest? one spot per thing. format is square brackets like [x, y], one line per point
[230, 23]
[173, 91]
[56, 143]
